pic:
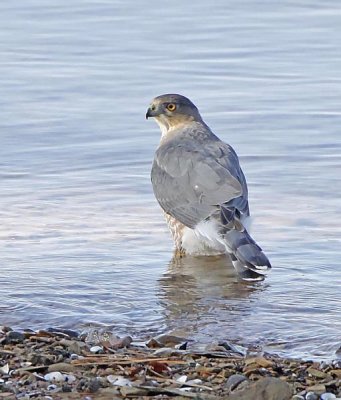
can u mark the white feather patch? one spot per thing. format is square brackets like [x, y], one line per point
[203, 240]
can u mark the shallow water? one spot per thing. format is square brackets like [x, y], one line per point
[83, 242]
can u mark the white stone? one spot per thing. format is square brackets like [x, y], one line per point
[182, 379]
[4, 369]
[328, 396]
[96, 349]
[54, 377]
[195, 382]
[117, 380]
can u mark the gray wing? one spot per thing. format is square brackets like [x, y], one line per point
[191, 181]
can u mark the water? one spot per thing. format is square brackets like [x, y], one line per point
[83, 242]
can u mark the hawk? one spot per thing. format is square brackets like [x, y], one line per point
[199, 184]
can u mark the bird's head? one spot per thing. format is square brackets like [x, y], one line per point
[172, 110]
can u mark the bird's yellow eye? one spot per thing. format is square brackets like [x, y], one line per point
[171, 107]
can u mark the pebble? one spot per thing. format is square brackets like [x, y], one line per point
[318, 389]
[73, 346]
[234, 380]
[316, 373]
[15, 337]
[54, 377]
[118, 380]
[297, 397]
[195, 382]
[62, 366]
[233, 347]
[94, 385]
[130, 391]
[96, 349]
[121, 343]
[311, 396]
[182, 379]
[69, 378]
[167, 352]
[169, 340]
[328, 396]
[4, 369]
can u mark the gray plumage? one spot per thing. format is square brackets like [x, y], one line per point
[199, 184]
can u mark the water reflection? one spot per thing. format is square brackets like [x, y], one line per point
[197, 292]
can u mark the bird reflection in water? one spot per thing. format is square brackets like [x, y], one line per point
[203, 298]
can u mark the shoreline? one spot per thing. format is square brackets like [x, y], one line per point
[61, 364]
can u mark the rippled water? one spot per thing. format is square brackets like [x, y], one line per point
[83, 242]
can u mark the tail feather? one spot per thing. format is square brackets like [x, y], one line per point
[247, 257]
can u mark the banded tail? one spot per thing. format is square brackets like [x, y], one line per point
[247, 257]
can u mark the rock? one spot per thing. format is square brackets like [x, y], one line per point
[233, 347]
[4, 369]
[194, 382]
[94, 385]
[234, 380]
[52, 387]
[166, 352]
[5, 329]
[54, 377]
[316, 373]
[73, 346]
[328, 396]
[131, 391]
[259, 361]
[153, 344]
[169, 340]
[297, 397]
[69, 378]
[120, 343]
[15, 337]
[99, 336]
[118, 380]
[265, 389]
[66, 388]
[109, 393]
[182, 346]
[318, 389]
[7, 396]
[335, 372]
[62, 366]
[182, 379]
[311, 396]
[96, 349]
[63, 332]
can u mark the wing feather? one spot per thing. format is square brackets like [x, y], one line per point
[191, 181]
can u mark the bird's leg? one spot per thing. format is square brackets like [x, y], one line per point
[179, 253]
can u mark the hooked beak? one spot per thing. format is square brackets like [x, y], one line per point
[148, 113]
[151, 112]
